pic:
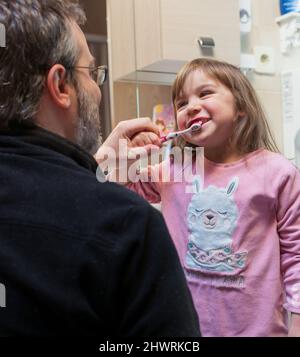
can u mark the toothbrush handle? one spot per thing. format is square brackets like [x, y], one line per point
[164, 138]
[170, 136]
[175, 134]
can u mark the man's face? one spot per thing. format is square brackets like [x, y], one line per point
[87, 123]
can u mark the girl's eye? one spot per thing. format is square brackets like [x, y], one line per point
[206, 93]
[180, 105]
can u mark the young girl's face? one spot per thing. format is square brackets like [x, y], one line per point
[207, 100]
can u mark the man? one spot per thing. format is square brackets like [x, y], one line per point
[77, 256]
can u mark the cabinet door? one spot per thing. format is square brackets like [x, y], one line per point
[183, 22]
[147, 32]
[121, 37]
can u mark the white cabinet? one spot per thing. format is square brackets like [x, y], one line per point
[161, 35]
[183, 23]
[121, 37]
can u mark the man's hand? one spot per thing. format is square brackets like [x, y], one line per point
[140, 132]
[129, 141]
[294, 330]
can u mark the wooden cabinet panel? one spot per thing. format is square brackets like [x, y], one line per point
[147, 32]
[160, 35]
[167, 32]
[183, 22]
[121, 37]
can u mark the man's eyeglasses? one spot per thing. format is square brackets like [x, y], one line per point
[99, 74]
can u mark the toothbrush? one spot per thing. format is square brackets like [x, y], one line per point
[175, 134]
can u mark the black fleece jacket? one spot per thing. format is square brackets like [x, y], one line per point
[79, 257]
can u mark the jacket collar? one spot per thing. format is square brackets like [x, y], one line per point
[35, 135]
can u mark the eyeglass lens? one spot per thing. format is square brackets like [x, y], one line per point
[101, 74]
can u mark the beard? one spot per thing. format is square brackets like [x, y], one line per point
[88, 130]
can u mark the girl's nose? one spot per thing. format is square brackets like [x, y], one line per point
[194, 108]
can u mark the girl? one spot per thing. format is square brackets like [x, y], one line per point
[238, 232]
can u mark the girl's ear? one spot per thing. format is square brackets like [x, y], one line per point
[241, 115]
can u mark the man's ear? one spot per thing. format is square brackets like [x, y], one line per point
[58, 87]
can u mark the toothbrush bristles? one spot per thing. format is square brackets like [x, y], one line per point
[196, 126]
[170, 136]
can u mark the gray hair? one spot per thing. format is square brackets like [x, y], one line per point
[38, 35]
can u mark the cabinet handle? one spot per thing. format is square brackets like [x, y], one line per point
[206, 42]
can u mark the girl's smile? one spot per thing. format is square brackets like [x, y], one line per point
[203, 118]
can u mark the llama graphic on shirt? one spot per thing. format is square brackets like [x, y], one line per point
[212, 219]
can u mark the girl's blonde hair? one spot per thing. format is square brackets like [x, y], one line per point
[251, 132]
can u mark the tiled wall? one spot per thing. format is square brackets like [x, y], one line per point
[265, 32]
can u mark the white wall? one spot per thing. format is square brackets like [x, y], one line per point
[265, 32]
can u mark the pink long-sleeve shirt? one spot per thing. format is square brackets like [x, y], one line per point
[236, 228]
